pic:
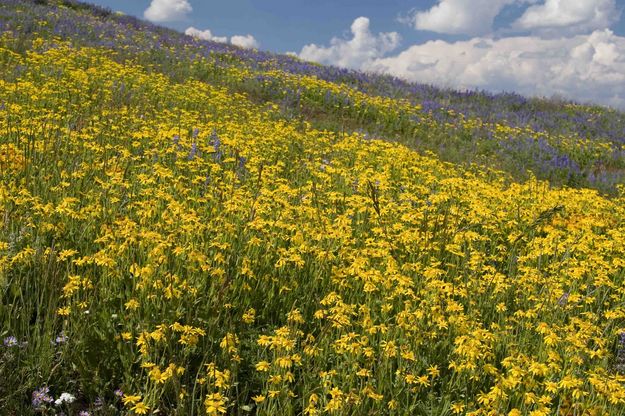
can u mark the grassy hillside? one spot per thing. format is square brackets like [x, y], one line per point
[563, 142]
[189, 228]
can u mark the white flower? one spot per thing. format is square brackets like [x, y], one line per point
[65, 398]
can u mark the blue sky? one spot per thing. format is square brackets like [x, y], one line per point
[288, 25]
[570, 48]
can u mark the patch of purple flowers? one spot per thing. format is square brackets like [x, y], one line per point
[41, 397]
[620, 354]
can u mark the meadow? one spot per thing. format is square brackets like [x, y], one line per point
[190, 228]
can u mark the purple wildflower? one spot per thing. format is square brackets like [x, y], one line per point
[216, 142]
[242, 161]
[10, 342]
[40, 397]
[193, 151]
[620, 354]
[61, 339]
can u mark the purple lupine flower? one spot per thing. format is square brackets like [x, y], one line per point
[193, 151]
[620, 354]
[242, 161]
[563, 299]
[241, 169]
[84, 413]
[216, 142]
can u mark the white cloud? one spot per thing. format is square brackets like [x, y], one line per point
[363, 48]
[472, 17]
[583, 67]
[167, 10]
[205, 35]
[247, 41]
[569, 16]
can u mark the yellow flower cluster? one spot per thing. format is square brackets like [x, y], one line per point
[233, 260]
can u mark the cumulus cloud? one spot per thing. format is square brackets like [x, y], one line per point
[546, 17]
[568, 16]
[584, 67]
[361, 49]
[587, 67]
[167, 10]
[205, 35]
[472, 17]
[245, 41]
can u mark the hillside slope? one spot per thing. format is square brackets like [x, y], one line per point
[169, 245]
[565, 143]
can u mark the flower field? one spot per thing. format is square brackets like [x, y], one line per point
[228, 232]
